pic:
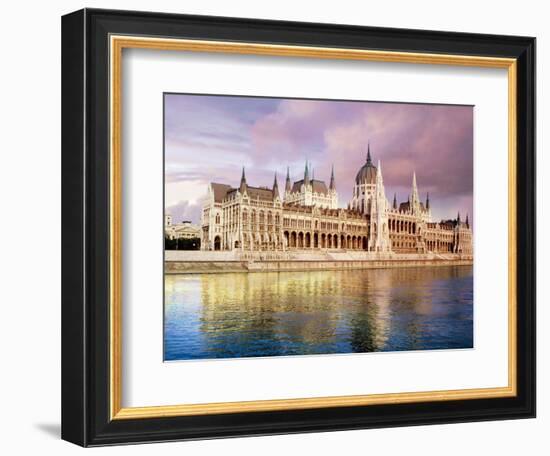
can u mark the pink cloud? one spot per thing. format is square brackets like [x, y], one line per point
[266, 135]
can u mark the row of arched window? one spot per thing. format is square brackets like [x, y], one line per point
[308, 240]
[402, 226]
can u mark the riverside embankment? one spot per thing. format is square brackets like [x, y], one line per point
[183, 262]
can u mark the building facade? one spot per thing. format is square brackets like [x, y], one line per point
[183, 230]
[307, 217]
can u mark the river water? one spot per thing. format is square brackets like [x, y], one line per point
[231, 315]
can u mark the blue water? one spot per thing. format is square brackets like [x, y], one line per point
[233, 315]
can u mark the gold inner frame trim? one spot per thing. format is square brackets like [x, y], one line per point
[117, 44]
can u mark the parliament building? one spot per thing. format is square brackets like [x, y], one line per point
[307, 217]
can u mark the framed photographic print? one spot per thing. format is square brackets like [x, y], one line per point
[278, 227]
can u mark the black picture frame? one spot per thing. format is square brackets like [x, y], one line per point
[85, 227]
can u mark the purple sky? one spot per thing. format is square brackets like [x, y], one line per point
[210, 138]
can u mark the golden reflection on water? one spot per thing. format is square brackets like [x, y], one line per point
[282, 313]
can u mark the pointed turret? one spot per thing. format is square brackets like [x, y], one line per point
[395, 200]
[379, 214]
[458, 218]
[427, 201]
[369, 159]
[380, 192]
[275, 190]
[415, 200]
[287, 185]
[332, 185]
[380, 182]
[242, 187]
[467, 222]
[306, 176]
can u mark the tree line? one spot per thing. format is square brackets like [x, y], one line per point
[182, 244]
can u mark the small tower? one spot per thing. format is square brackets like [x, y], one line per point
[275, 190]
[458, 218]
[428, 201]
[395, 200]
[415, 200]
[467, 222]
[306, 176]
[332, 191]
[379, 181]
[288, 188]
[380, 241]
[243, 186]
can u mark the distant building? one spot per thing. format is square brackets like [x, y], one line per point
[250, 218]
[183, 230]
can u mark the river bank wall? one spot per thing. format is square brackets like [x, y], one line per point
[192, 262]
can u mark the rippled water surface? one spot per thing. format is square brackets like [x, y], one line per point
[317, 312]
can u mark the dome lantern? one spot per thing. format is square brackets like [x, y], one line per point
[367, 173]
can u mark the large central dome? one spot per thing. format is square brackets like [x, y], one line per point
[367, 173]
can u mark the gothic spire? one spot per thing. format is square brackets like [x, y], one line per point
[306, 176]
[467, 222]
[275, 190]
[428, 201]
[380, 192]
[379, 171]
[458, 218]
[332, 182]
[287, 186]
[414, 196]
[369, 159]
[395, 200]
[242, 187]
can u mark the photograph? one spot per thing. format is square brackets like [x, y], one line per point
[316, 226]
[284, 223]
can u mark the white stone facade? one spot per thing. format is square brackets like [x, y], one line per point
[184, 230]
[249, 219]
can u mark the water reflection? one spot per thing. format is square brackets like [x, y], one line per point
[299, 313]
